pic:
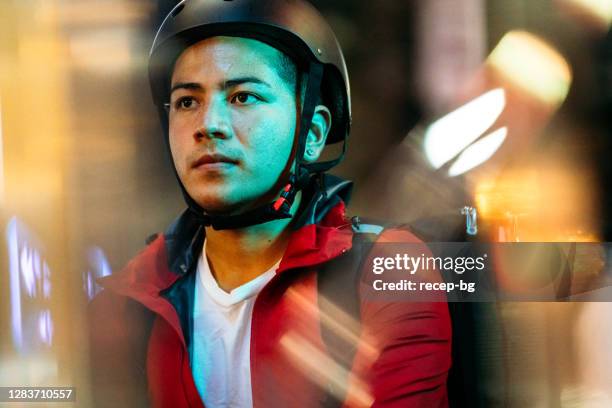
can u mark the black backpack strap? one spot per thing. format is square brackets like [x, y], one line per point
[339, 303]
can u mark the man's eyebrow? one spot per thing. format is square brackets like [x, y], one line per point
[186, 85]
[225, 85]
[244, 80]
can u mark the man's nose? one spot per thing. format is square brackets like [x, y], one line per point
[214, 120]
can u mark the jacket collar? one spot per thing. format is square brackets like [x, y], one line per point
[322, 232]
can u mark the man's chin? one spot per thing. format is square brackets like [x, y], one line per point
[219, 204]
[215, 206]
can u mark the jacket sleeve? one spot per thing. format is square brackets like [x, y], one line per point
[409, 364]
[117, 348]
[404, 353]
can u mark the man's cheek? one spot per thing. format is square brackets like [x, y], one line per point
[174, 148]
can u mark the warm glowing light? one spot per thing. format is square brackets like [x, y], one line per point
[323, 370]
[335, 319]
[1, 158]
[533, 65]
[600, 10]
[539, 199]
[478, 152]
[515, 192]
[451, 134]
[317, 365]
[103, 50]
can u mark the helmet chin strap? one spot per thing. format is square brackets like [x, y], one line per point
[279, 208]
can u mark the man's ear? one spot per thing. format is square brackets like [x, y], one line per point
[317, 135]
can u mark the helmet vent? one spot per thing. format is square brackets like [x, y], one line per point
[177, 10]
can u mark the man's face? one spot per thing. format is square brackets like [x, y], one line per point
[232, 122]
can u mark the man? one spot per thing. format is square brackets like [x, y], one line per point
[232, 306]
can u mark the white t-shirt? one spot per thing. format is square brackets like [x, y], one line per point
[221, 363]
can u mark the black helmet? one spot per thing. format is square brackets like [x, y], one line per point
[292, 26]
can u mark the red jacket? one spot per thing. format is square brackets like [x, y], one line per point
[140, 332]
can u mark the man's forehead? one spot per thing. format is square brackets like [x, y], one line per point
[228, 55]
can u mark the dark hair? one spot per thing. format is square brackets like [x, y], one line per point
[288, 71]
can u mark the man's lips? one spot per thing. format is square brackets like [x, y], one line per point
[213, 159]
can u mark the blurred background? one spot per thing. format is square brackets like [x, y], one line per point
[498, 105]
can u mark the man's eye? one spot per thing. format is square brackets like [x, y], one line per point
[185, 103]
[243, 98]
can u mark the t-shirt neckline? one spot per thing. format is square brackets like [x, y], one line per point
[236, 295]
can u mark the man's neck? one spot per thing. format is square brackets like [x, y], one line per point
[239, 256]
